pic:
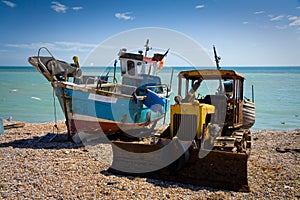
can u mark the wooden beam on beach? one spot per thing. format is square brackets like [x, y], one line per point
[14, 125]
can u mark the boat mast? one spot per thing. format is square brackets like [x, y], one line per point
[147, 47]
[217, 58]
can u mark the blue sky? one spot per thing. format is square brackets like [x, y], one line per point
[246, 32]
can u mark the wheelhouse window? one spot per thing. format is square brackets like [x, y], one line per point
[130, 67]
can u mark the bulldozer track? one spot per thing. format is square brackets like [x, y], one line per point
[238, 141]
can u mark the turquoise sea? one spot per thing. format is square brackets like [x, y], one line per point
[26, 95]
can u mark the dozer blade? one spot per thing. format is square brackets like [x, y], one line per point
[218, 169]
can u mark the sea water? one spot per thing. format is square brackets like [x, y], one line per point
[26, 95]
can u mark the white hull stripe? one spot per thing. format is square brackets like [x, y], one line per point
[87, 118]
[102, 98]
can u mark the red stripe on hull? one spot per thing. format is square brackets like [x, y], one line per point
[92, 127]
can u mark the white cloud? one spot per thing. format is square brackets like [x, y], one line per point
[77, 44]
[77, 8]
[9, 3]
[199, 6]
[295, 22]
[292, 18]
[245, 23]
[125, 16]
[57, 46]
[298, 7]
[277, 18]
[30, 46]
[58, 7]
[259, 12]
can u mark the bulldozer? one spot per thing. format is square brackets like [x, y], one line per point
[207, 141]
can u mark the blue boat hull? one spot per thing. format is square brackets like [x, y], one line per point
[93, 113]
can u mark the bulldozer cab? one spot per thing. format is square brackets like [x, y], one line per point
[220, 88]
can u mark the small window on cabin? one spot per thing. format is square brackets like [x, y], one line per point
[130, 67]
[228, 86]
[139, 68]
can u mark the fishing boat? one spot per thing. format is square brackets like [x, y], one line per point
[102, 104]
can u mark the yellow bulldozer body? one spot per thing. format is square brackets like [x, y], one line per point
[188, 119]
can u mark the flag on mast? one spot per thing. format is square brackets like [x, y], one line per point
[161, 63]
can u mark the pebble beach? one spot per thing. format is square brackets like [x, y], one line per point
[34, 166]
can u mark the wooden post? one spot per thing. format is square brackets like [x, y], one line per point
[66, 112]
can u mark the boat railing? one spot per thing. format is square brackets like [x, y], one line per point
[89, 79]
[41, 63]
[103, 84]
[122, 88]
[118, 89]
[160, 88]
